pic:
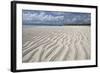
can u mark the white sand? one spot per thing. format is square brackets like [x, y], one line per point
[56, 43]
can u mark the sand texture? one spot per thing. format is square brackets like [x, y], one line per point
[43, 44]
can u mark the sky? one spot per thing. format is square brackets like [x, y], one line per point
[54, 18]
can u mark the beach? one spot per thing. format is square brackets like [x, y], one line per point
[55, 43]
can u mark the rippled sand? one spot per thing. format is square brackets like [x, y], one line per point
[43, 44]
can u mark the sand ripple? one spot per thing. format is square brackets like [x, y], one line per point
[56, 44]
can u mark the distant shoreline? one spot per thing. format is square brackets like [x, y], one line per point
[60, 25]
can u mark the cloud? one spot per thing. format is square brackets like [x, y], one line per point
[50, 17]
[58, 13]
[41, 17]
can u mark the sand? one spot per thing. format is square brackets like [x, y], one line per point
[47, 44]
